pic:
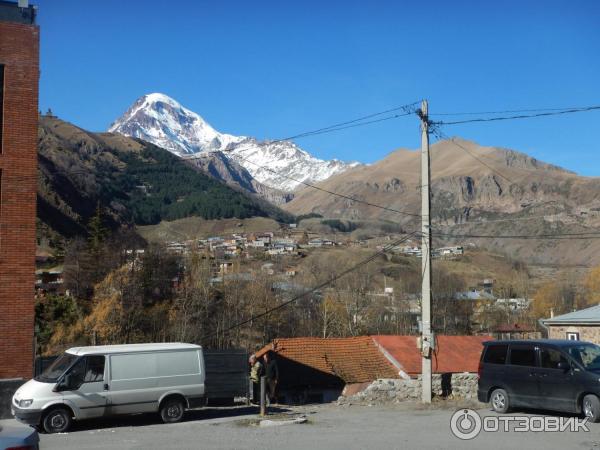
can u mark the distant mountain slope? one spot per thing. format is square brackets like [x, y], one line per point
[514, 194]
[161, 120]
[219, 166]
[133, 181]
[502, 181]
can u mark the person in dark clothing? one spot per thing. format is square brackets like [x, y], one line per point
[272, 375]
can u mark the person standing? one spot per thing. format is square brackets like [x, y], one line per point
[272, 375]
[256, 371]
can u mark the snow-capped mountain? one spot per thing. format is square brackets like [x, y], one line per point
[159, 119]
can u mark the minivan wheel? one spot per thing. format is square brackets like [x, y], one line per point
[591, 407]
[499, 401]
[172, 410]
[57, 420]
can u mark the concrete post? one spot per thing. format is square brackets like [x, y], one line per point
[263, 396]
[426, 337]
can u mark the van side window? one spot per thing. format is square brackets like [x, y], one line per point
[495, 354]
[95, 369]
[77, 372]
[522, 356]
[550, 358]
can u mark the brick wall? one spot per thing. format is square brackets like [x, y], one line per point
[586, 332]
[19, 53]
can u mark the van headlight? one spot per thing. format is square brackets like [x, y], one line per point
[25, 403]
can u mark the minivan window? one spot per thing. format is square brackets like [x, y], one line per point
[57, 368]
[495, 354]
[551, 357]
[522, 356]
[588, 355]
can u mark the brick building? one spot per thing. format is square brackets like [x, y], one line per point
[19, 74]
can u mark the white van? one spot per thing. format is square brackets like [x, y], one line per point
[87, 382]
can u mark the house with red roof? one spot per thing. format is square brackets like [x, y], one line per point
[319, 369]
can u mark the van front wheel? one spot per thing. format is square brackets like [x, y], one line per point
[57, 420]
[172, 410]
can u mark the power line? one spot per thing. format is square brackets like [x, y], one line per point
[331, 130]
[556, 236]
[408, 109]
[520, 116]
[327, 191]
[508, 111]
[317, 287]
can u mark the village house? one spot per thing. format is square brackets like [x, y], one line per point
[516, 331]
[178, 248]
[315, 243]
[49, 281]
[321, 369]
[513, 304]
[450, 251]
[582, 325]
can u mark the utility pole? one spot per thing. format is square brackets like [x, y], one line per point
[426, 336]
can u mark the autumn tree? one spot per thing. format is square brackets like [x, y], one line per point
[592, 287]
[554, 297]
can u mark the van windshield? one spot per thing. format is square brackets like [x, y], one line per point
[57, 368]
[588, 355]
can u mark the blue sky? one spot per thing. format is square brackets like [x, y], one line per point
[271, 69]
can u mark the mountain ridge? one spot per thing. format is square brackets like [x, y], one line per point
[161, 120]
[133, 182]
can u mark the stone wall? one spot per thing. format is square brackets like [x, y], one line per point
[456, 385]
[588, 333]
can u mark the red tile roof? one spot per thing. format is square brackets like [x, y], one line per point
[514, 327]
[353, 359]
[453, 353]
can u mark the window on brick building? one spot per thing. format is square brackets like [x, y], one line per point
[1, 103]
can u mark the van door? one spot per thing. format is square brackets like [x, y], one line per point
[557, 383]
[134, 383]
[83, 386]
[521, 376]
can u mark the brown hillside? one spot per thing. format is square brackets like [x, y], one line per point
[512, 192]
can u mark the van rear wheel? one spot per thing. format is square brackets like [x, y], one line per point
[591, 407]
[172, 410]
[499, 401]
[57, 420]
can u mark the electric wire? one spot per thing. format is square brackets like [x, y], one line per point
[521, 116]
[508, 111]
[314, 288]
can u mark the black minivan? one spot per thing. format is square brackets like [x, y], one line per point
[558, 375]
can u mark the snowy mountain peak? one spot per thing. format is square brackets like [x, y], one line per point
[161, 120]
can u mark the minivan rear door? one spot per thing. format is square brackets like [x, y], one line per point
[521, 375]
[558, 387]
